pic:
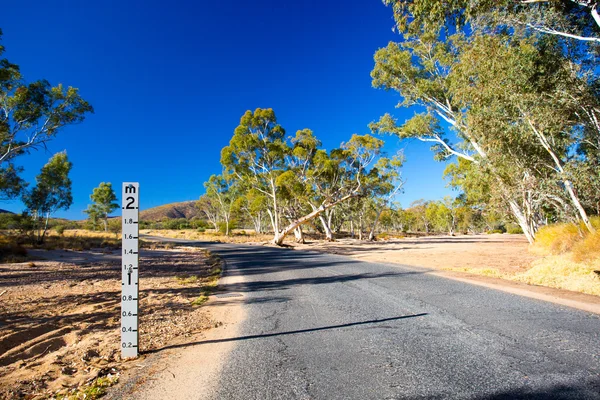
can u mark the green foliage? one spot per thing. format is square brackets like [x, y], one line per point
[51, 193]
[514, 229]
[32, 115]
[521, 103]
[60, 229]
[92, 391]
[11, 184]
[114, 226]
[290, 179]
[104, 199]
[10, 221]
[226, 228]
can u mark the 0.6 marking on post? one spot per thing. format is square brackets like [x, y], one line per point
[130, 268]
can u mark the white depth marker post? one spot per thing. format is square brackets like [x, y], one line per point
[130, 261]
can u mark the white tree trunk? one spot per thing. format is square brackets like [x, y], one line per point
[299, 234]
[280, 236]
[326, 228]
[374, 226]
[522, 220]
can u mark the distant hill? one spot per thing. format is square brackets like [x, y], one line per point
[185, 209]
[6, 212]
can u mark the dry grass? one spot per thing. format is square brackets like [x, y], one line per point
[557, 238]
[588, 249]
[563, 272]
[210, 236]
[85, 233]
[491, 272]
[573, 256]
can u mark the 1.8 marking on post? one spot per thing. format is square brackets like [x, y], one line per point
[129, 276]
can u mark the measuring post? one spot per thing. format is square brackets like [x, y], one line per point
[130, 262]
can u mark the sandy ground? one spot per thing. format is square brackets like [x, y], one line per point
[59, 318]
[506, 253]
[189, 369]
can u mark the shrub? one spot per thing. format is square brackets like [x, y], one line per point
[587, 249]
[495, 231]
[11, 252]
[557, 238]
[201, 230]
[60, 229]
[514, 229]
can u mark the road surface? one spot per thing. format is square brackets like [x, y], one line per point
[329, 327]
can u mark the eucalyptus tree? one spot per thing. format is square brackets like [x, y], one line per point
[251, 203]
[104, 199]
[94, 215]
[419, 69]
[336, 177]
[210, 207]
[298, 180]
[222, 192]
[256, 156]
[31, 114]
[515, 138]
[386, 183]
[520, 95]
[51, 193]
[569, 19]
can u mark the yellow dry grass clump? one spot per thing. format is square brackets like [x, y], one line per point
[563, 272]
[588, 249]
[573, 256]
[571, 259]
[557, 238]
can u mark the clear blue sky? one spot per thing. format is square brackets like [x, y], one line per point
[169, 82]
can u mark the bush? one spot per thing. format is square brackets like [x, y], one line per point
[223, 227]
[201, 230]
[12, 252]
[60, 229]
[513, 229]
[558, 238]
[588, 249]
[495, 231]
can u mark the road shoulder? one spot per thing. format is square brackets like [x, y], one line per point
[191, 369]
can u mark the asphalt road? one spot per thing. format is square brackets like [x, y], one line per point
[330, 327]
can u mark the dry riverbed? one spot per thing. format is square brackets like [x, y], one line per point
[59, 316]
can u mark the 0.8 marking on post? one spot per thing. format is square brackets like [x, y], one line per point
[130, 265]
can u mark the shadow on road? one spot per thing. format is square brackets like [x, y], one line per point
[585, 389]
[267, 335]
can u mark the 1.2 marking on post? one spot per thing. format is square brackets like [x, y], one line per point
[129, 276]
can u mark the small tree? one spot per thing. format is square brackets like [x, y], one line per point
[52, 192]
[94, 215]
[104, 199]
